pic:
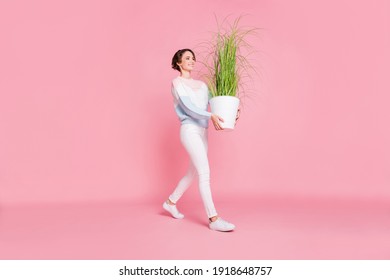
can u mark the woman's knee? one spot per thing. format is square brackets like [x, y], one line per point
[204, 173]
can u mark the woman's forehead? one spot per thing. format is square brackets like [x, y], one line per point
[188, 53]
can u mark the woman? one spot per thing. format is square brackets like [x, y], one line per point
[190, 101]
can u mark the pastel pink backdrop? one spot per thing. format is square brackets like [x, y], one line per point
[86, 112]
[89, 143]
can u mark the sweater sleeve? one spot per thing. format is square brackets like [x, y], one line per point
[184, 101]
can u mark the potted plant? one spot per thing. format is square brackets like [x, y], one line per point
[226, 65]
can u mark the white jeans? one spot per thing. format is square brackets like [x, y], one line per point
[194, 140]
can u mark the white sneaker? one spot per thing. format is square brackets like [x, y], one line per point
[173, 210]
[221, 225]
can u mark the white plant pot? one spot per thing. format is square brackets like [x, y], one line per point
[226, 107]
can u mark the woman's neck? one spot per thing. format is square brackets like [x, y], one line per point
[185, 74]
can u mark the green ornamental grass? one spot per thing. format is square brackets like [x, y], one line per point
[225, 63]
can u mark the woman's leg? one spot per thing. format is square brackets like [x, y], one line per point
[196, 145]
[183, 184]
[194, 140]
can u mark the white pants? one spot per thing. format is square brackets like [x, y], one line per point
[194, 140]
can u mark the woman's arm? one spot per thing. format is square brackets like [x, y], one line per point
[190, 109]
[185, 103]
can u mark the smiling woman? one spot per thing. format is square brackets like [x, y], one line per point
[190, 101]
[184, 59]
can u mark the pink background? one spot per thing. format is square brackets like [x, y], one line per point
[86, 113]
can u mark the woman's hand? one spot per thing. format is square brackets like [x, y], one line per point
[237, 116]
[216, 119]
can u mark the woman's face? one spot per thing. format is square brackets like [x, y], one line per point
[187, 61]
